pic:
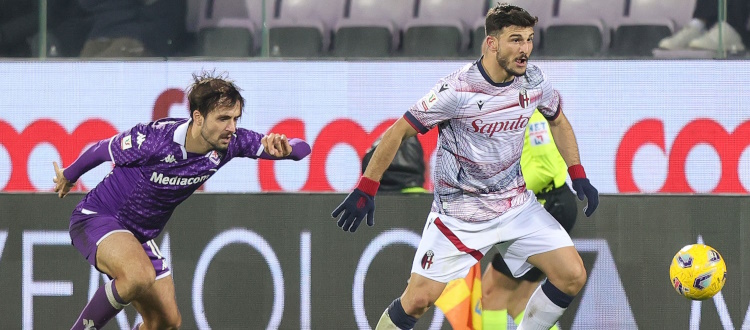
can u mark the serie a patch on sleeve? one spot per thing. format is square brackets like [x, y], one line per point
[429, 100]
[126, 143]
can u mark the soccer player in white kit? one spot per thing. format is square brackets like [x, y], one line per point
[481, 200]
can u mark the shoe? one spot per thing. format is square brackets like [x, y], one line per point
[710, 40]
[682, 38]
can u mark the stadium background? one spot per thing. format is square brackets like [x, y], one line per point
[665, 141]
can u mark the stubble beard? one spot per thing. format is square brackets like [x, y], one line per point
[505, 64]
[214, 146]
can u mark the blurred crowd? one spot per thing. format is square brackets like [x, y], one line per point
[93, 28]
[157, 28]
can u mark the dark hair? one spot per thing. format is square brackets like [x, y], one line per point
[504, 15]
[210, 91]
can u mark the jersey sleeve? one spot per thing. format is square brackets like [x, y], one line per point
[440, 104]
[550, 105]
[136, 146]
[246, 144]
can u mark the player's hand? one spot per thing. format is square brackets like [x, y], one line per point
[62, 185]
[583, 188]
[360, 204]
[276, 145]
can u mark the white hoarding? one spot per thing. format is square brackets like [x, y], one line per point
[642, 126]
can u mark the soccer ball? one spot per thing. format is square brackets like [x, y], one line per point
[698, 272]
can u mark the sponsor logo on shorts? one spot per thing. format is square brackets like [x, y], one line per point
[427, 259]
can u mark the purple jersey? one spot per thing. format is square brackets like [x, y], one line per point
[154, 173]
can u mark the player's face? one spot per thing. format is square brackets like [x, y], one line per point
[515, 44]
[219, 126]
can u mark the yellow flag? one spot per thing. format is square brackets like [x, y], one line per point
[461, 301]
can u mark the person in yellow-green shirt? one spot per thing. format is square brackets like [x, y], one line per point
[545, 172]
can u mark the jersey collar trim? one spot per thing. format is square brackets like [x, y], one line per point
[180, 133]
[487, 77]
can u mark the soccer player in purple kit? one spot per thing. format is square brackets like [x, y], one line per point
[157, 166]
[480, 198]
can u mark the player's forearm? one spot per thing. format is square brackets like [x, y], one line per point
[387, 149]
[92, 157]
[565, 140]
[300, 150]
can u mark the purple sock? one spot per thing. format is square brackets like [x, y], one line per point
[137, 325]
[102, 307]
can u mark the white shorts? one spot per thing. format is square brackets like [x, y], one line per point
[450, 247]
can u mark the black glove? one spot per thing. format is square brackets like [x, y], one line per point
[358, 205]
[583, 187]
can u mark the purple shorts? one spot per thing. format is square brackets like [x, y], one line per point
[88, 229]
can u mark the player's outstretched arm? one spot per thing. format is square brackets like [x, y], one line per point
[360, 203]
[65, 178]
[566, 143]
[277, 146]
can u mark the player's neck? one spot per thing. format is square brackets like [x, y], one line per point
[497, 74]
[194, 142]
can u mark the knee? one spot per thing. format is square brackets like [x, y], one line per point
[417, 304]
[573, 281]
[579, 278]
[488, 289]
[172, 322]
[139, 279]
[168, 323]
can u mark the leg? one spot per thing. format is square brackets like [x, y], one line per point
[566, 277]
[504, 295]
[419, 296]
[707, 11]
[519, 298]
[449, 248]
[564, 269]
[122, 257]
[497, 288]
[158, 306]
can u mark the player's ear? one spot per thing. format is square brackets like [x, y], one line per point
[197, 118]
[492, 44]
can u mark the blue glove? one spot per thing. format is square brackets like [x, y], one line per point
[583, 187]
[360, 204]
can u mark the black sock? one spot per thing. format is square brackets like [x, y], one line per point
[555, 295]
[399, 317]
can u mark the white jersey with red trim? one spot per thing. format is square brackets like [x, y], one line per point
[477, 174]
